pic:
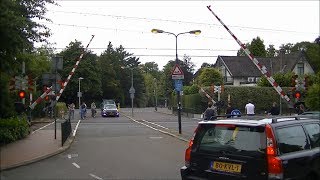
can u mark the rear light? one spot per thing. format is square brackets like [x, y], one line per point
[187, 156]
[275, 170]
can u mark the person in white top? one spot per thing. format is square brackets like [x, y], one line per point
[249, 109]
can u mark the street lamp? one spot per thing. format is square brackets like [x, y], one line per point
[79, 93]
[196, 32]
[155, 94]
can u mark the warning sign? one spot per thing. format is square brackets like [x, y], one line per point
[177, 73]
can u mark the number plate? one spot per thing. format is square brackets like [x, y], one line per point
[226, 167]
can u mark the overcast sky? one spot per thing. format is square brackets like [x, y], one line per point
[129, 23]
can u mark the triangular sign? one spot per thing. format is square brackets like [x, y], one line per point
[177, 70]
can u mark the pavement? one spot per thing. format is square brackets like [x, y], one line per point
[41, 143]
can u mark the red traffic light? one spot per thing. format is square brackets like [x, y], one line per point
[297, 95]
[22, 94]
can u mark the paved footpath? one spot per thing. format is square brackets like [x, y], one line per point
[39, 144]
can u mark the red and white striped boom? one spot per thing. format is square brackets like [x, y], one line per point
[260, 66]
[65, 83]
[72, 71]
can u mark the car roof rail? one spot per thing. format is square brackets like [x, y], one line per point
[275, 119]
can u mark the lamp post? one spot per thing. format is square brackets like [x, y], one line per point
[79, 93]
[155, 94]
[132, 91]
[196, 32]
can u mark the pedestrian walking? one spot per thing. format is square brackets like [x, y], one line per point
[301, 109]
[249, 108]
[229, 109]
[274, 109]
[83, 110]
[71, 108]
[93, 109]
[209, 113]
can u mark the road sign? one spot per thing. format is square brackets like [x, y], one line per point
[177, 73]
[178, 85]
[132, 90]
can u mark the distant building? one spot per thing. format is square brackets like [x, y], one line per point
[240, 70]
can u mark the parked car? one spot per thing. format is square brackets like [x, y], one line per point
[239, 148]
[110, 110]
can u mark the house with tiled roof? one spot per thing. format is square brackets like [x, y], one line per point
[240, 70]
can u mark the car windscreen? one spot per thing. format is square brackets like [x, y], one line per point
[110, 106]
[230, 139]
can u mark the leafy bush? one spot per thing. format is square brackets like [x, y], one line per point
[13, 129]
[313, 99]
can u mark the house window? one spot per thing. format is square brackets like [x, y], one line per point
[257, 79]
[251, 79]
[300, 67]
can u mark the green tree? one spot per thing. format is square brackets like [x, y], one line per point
[150, 68]
[210, 76]
[118, 67]
[284, 80]
[87, 69]
[286, 47]
[241, 51]
[312, 52]
[271, 51]
[313, 99]
[257, 47]
[187, 66]
[18, 30]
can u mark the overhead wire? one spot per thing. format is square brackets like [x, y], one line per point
[179, 21]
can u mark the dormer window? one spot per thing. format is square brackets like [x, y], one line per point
[300, 68]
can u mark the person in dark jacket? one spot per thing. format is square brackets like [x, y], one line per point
[209, 113]
[229, 110]
[274, 109]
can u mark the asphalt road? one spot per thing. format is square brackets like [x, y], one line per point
[145, 146]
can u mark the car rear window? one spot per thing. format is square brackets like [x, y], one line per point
[291, 139]
[313, 131]
[231, 138]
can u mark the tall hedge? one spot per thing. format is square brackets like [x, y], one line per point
[262, 98]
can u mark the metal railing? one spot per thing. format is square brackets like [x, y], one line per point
[65, 131]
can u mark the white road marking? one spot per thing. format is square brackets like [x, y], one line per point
[76, 165]
[75, 130]
[72, 155]
[154, 137]
[42, 127]
[164, 132]
[155, 124]
[96, 177]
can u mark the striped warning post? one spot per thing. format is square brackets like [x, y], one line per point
[72, 71]
[207, 95]
[40, 98]
[260, 66]
[64, 84]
